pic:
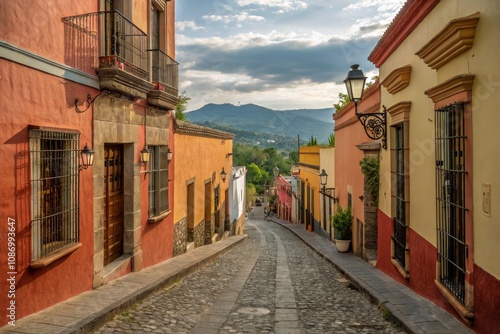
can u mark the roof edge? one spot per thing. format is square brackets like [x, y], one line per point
[408, 18]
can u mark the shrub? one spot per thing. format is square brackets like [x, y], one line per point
[341, 222]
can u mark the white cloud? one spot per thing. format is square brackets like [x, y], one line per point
[183, 25]
[238, 18]
[381, 5]
[238, 41]
[282, 5]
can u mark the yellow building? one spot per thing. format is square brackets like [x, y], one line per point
[202, 168]
[438, 217]
[315, 208]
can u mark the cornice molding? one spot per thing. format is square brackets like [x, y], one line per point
[114, 79]
[163, 100]
[454, 39]
[191, 129]
[398, 79]
[400, 112]
[408, 18]
[29, 59]
[456, 85]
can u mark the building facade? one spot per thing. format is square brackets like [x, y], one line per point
[351, 145]
[314, 206]
[203, 164]
[238, 200]
[437, 209]
[75, 78]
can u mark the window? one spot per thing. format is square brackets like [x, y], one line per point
[450, 202]
[216, 198]
[54, 190]
[399, 222]
[158, 181]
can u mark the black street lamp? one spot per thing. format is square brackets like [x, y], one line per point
[323, 178]
[87, 156]
[375, 124]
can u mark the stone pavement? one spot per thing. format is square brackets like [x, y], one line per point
[235, 296]
[92, 309]
[416, 314]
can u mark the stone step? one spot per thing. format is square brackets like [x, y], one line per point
[190, 246]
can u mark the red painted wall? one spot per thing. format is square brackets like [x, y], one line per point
[422, 267]
[30, 97]
[157, 238]
[486, 302]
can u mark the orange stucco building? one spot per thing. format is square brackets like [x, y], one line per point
[203, 172]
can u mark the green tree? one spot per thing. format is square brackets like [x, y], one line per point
[294, 156]
[254, 174]
[343, 101]
[312, 142]
[181, 107]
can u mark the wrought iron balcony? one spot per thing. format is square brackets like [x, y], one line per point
[106, 39]
[165, 72]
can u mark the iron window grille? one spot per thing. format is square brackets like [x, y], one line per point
[158, 181]
[450, 204]
[54, 158]
[399, 222]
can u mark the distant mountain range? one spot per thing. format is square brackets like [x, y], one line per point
[256, 119]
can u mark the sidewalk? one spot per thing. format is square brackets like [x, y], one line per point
[92, 309]
[416, 314]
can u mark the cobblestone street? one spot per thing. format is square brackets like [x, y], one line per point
[270, 283]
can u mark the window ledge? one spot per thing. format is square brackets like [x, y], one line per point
[467, 315]
[156, 219]
[401, 270]
[55, 256]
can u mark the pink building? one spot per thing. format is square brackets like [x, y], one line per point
[284, 198]
[349, 181]
[74, 227]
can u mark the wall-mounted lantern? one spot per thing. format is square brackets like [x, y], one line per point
[145, 155]
[223, 175]
[87, 157]
[375, 124]
[169, 154]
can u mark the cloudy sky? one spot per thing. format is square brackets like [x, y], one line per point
[280, 54]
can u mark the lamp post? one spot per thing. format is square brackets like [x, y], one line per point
[323, 178]
[375, 124]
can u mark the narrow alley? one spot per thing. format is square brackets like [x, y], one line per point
[270, 283]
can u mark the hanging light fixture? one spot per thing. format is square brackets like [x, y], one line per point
[87, 157]
[374, 123]
[169, 154]
[223, 175]
[145, 155]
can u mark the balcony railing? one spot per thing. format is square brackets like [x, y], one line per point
[165, 71]
[106, 39]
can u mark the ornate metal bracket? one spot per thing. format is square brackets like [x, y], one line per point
[375, 124]
[330, 193]
[90, 99]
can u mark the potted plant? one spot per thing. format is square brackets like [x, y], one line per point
[341, 223]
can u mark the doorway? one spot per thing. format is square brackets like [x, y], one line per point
[113, 202]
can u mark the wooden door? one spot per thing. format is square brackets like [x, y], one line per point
[113, 202]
